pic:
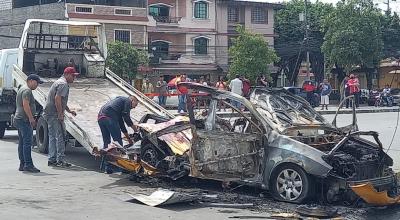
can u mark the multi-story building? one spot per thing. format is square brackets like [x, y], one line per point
[256, 16]
[181, 37]
[124, 20]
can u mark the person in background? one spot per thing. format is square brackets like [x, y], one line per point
[56, 106]
[309, 88]
[261, 81]
[346, 91]
[246, 86]
[236, 86]
[182, 94]
[354, 87]
[203, 81]
[147, 87]
[162, 91]
[326, 90]
[25, 122]
[221, 85]
[386, 92]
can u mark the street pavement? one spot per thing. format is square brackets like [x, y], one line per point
[82, 192]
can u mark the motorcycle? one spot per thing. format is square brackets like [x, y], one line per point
[384, 100]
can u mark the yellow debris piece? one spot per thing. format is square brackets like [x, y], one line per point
[369, 194]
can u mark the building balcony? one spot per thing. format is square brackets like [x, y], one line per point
[181, 58]
[167, 19]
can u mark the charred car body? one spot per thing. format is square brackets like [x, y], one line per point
[278, 143]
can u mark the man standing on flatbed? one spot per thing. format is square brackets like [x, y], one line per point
[54, 114]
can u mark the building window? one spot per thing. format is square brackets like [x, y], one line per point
[123, 11]
[201, 10]
[201, 46]
[233, 14]
[259, 15]
[160, 49]
[159, 10]
[122, 35]
[87, 10]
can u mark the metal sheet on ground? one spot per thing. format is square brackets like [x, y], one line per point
[163, 197]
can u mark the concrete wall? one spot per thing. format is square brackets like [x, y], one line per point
[12, 21]
[138, 35]
[108, 10]
[5, 4]
[188, 20]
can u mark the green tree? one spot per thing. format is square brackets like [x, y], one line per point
[124, 59]
[250, 55]
[353, 35]
[391, 35]
[290, 44]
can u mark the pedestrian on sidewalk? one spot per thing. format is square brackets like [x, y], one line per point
[147, 87]
[53, 113]
[221, 85]
[309, 88]
[25, 122]
[354, 87]
[182, 94]
[236, 86]
[162, 91]
[326, 90]
[246, 86]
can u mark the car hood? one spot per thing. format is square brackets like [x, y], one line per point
[285, 110]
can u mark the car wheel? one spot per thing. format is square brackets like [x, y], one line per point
[42, 137]
[3, 126]
[290, 183]
[150, 154]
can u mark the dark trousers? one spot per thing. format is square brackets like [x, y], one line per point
[25, 133]
[349, 102]
[110, 128]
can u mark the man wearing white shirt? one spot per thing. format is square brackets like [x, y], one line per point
[236, 86]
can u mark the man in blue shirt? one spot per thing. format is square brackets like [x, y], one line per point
[112, 118]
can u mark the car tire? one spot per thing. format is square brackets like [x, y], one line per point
[3, 126]
[150, 154]
[42, 136]
[290, 183]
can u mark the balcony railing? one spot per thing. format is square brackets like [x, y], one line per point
[158, 58]
[167, 19]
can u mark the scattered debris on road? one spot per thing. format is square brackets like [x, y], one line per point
[163, 197]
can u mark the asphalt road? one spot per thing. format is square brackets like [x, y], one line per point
[82, 192]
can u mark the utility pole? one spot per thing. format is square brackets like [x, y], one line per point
[387, 2]
[306, 40]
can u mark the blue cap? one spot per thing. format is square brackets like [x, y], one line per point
[35, 77]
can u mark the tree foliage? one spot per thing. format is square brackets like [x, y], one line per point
[250, 54]
[290, 44]
[353, 35]
[124, 59]
[391, 35]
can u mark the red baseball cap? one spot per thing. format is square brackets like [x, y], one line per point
[70, 70]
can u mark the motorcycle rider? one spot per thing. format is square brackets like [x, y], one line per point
[387, 98]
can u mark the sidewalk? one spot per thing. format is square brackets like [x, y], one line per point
[362, 109]
[331, 110]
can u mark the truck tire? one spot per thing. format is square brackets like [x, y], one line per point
[42, 137]
[3, 126]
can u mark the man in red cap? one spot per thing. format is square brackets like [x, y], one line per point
[54, 114]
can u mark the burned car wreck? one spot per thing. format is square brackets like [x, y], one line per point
[276, 141]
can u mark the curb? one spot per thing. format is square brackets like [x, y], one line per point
[358, 111]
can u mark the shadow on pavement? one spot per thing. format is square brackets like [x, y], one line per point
[389, 213]
[40, 174]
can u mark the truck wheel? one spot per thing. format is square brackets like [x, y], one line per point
[42, 137]
[290, 183]
[3, 126]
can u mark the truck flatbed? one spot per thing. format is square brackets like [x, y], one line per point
[86, 97]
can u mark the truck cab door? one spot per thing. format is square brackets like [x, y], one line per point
[347, 128]
[228, 148]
